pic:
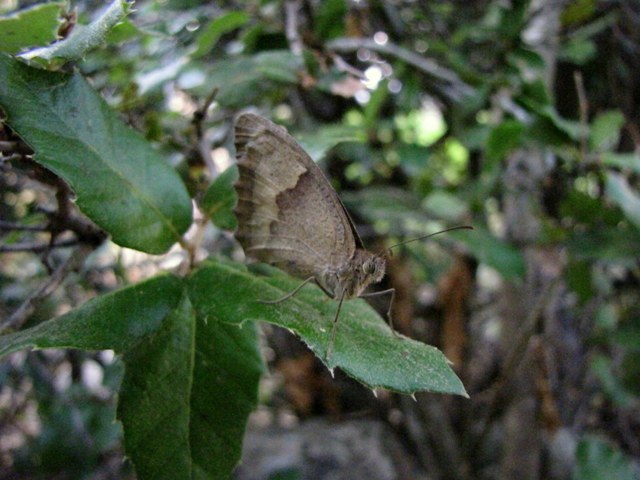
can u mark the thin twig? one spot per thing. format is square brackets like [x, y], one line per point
[583, 106]
[204, 147]
[291, 9]
[426, 65]
[18, 317]
[17, 226]
[37, 247]
[344, 66]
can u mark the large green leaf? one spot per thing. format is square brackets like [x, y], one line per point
[116, 321]
[30, 27]
[120, 181]
[365, 347]
[190, 378]
[186, 396]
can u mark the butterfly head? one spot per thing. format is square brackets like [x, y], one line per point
[366, 268]
[373, 268]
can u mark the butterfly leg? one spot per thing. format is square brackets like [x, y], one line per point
[288, 295]
[334, 330]
[392, 291]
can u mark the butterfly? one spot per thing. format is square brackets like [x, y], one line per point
[289, 216]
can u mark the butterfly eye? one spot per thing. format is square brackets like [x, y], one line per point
[369, 268]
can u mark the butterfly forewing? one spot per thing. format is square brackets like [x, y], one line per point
[288, 214]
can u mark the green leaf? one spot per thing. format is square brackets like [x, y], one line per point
[598, 459]
[579, 50]
[577, 12]
[503, 139]
[228, 365]
[154, 398]
[619, 191]
[115, 321]
[324, 138]
[220, 199]
[445, 205]
[182, 367]
[121, 183]
[617, 244]
[186, 396]
[572, 128]
[30, 27]
[414, 159]
[630, 161]
[329, 20]
[393, 210]
[506, 259]
[365, 347]
[123, 32]
[82, 38]
[579, 279]
[245, 80]
[216, 28]
[610, 381]
[605, 130]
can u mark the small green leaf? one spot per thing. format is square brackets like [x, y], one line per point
[365, 347]
[605, 130]
[329, 20]
[121, 183]
[30, 27]
[393, 210]
[124, 31]
[577, 12]
[579, 50]
[445, 205]
[579, 279]
[610, 381]
[83, 38]
[599, 459]
[506, 259]
[619, 191]
[503, 139]
[244, 80]
[629, 161]
[115, 321]
[220, 199]
[324, 138]
[216, 28]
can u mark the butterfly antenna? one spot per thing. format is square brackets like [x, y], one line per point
[459, 227]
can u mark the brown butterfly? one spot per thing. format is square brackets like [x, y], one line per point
[290, 216]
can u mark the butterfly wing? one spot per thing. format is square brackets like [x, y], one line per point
[288, 213]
